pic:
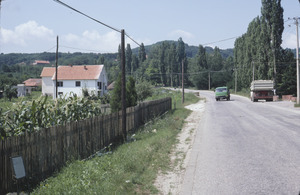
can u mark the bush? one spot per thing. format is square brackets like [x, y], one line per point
[144, 90]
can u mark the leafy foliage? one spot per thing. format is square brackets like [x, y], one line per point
[10, 92]
[131, 94]
[259, 50]
[31, 116]
[143, 89]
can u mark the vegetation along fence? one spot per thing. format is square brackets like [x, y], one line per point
[47, 150]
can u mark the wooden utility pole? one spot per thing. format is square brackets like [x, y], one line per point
[253, 73]
[123, 85]
[297, 57]
[235, 85]
[209, 80]
[182, 81]
[297, 60]
[56, 61]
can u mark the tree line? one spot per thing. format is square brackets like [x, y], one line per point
[257, 54]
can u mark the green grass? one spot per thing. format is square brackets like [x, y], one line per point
[131, 168]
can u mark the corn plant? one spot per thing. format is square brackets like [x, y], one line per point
[40, 113]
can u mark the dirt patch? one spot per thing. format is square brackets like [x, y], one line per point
[171, 181]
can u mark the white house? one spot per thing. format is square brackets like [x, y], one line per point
[73, 79]
[47, 82]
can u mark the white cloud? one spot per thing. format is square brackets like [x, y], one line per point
[31, 37]
[24, 34]
[181, 33]
[93, 40]
[289, 41]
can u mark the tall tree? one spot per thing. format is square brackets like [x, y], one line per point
[142, 53]
[116, 101]
[128, 59]
[181, 57]
[199, 70]
[134, 63]
[163, 49]
[173, 68]
[119, 54]
[131, 95]
[272, 14]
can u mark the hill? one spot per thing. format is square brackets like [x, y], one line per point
[190, 50]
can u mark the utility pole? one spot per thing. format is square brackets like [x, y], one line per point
[56, 61]
[235, 85]
[253, 71]
[209, 80]
[123, 85]
[297, 57]
[297, 60]
[182, 81]
[122, 62]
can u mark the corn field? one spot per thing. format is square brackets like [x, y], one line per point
[40, 113]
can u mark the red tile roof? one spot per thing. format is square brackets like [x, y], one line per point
[86, 72]
[41, 62]
[48, 72]
[33, 82]
[73, 72]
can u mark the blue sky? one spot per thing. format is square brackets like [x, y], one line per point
[32, 25]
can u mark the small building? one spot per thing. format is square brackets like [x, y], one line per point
[41, 62]
[74, 79]
[21, 89]
[47, 82]
[32, 84]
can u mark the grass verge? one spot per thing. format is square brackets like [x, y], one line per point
[131, 168]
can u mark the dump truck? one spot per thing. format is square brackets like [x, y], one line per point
[262, 90]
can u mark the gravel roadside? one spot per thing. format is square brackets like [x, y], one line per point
[170, 182]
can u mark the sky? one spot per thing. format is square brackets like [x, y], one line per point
[32, 26]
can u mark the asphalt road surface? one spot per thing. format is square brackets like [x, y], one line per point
[243, 147]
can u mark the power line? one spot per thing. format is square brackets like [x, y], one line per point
[132, 39]
[91, 50]
[115, 29]
[62, 3]
[220, 40]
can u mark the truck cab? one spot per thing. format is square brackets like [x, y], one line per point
[222, 93]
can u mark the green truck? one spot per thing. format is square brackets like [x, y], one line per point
[222, 93]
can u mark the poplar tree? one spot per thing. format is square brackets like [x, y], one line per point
[181, 57]
[199, 70]
[272, 14]
[128, 56]
[142, 53]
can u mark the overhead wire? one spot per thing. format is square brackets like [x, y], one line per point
[221, 40]
[108, 26]
[66, 5]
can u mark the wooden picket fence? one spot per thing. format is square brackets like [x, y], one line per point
[46, 151]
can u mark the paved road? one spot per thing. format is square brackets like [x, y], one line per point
[243, 147]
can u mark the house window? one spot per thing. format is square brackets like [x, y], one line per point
[99, 85]
[60, 84]
[60, 93]
[78, 84]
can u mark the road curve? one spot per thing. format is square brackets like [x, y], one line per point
[243, 147]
